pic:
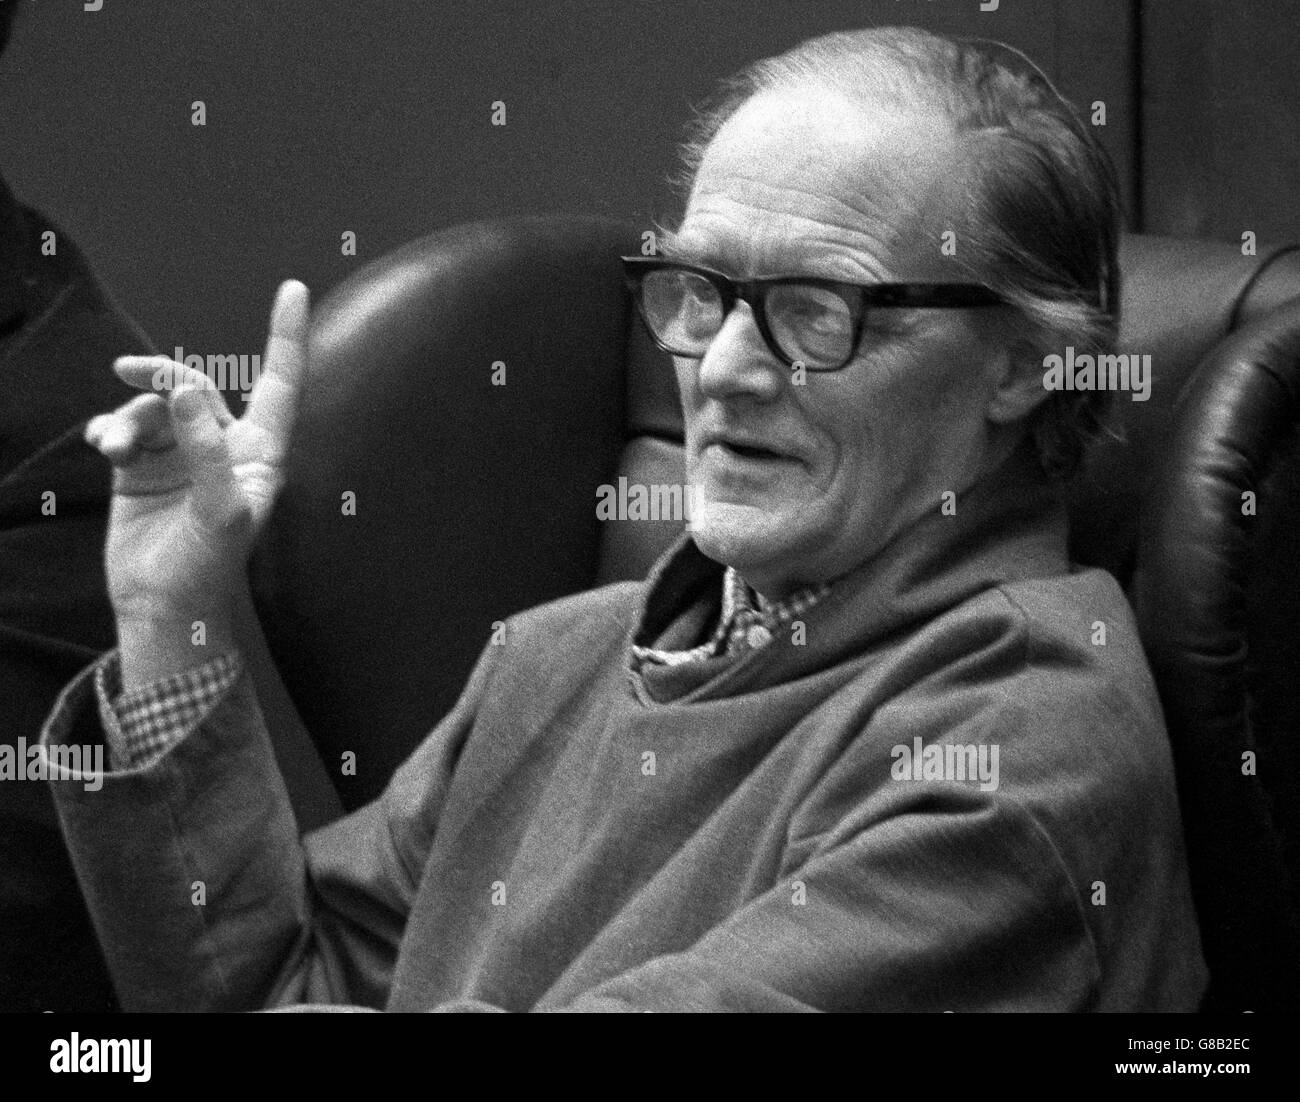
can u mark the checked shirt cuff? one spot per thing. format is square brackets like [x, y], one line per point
[142, 725]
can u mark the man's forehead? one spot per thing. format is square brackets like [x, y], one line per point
[801, 181]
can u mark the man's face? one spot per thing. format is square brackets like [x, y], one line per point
[808, 184]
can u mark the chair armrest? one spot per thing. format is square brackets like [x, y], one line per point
[1197, 546]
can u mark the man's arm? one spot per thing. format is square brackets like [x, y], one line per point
[199, 887]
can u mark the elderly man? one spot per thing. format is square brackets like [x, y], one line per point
[852, 745]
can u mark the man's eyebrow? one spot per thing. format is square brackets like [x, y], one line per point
[723, 260]
[674, 248]
[688, 249]
[793, 259]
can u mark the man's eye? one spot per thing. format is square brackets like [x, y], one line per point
[824, 312]
[816, 315]
[698, 295]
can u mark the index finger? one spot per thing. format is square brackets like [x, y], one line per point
[273, 405]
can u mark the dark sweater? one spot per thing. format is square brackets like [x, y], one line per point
[771, 854]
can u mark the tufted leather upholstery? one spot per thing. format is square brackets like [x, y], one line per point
[474, 501]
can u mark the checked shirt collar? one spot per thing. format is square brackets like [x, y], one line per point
[748, 622]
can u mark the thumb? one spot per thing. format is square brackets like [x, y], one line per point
[202, 442]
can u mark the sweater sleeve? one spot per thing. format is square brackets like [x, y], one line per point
[140, 725]
[201, 891]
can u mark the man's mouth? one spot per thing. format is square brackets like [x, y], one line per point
[744, 447]
[749, 451]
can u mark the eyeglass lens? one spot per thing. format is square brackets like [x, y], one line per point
[809, 324]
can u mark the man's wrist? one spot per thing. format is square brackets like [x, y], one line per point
[162, 643]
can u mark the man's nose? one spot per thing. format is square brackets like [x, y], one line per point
[738, 361]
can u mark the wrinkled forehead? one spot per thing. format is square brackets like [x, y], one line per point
[809, 182]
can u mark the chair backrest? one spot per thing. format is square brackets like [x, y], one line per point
[471, 392]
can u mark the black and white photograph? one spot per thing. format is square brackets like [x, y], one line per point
[649, 506]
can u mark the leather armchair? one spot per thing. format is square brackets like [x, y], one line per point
[474, 500]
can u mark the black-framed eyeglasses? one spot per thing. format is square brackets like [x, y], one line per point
[813, 323]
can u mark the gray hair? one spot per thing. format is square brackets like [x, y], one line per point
[1039, 211]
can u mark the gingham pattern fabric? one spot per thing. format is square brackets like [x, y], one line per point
[743, 625]
[141, 725]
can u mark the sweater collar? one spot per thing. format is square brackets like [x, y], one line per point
[1009, 526]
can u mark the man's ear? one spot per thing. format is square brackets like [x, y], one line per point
[1020, 388]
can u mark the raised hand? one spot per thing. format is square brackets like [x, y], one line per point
[193, 485]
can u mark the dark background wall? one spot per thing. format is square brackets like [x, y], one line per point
[1221, 123]
[332, 115]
